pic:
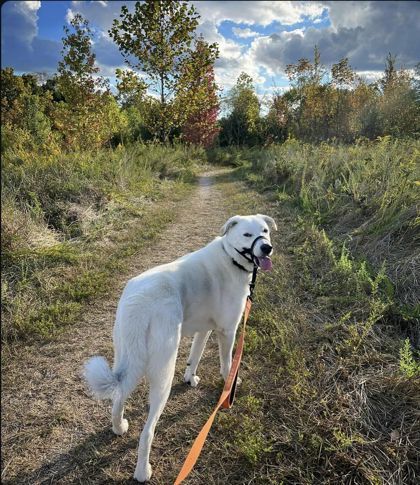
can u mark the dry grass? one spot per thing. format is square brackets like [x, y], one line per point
[365, 195]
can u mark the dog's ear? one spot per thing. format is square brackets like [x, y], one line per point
[229, 224]
[269, 220]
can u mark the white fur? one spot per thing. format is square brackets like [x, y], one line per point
[198, 293]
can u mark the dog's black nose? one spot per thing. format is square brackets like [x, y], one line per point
[266, 248]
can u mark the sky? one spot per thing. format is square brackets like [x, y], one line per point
[258, 37]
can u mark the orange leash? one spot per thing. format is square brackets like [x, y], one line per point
[225, 401]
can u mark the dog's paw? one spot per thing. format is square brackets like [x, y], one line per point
[143, 474]
[194, 380]
[121, 429]
[190, 379]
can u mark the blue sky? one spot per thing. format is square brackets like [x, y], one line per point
[258, 37]
[51, 18]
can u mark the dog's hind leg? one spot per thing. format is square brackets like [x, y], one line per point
[160, 373]
[128, 381]
[197, 348]
[130, 360]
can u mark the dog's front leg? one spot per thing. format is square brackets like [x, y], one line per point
[226, 340]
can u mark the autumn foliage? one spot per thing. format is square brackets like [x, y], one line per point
[201, 126]
[323, 104]
[197, 97]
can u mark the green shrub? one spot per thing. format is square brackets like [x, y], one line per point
[409, 367]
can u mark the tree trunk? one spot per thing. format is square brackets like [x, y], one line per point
[163, 134]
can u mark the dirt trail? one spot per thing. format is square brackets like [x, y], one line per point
[54, 432]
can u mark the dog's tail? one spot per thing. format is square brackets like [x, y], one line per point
[101, 381]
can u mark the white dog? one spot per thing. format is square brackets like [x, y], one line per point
[203, 291]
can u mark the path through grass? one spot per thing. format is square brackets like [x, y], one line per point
[324, 398]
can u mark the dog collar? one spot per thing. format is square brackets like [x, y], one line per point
[240, 266]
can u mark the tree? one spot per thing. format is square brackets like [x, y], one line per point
[197, 103]
[23, 110]
[132, 96]
[155, 38]
[416, 82]
[13, 89]
[87, 116]
[309, 113]
[201, 126]
[366, 117]
[77, 68]
[242, 125]
[51, 86]
[342, 74]
[399, 106]
[277, 119]
[305, 73]
[390, 77]
[342, 81]
[131, 88]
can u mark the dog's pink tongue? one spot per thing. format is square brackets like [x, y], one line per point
[265, 263]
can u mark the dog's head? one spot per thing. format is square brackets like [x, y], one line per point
[248, 237]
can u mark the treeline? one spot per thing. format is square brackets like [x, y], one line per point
[320, 106]
[177, 99]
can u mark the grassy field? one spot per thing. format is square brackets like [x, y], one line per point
[332, 373]
[68, 222]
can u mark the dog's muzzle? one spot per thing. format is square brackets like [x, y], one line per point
[263, 262]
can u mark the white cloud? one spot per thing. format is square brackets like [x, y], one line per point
[261, 13]
[236, 58]
[29, 12]
[290, 33]
[370, 76]
[69, 15]
[266, 51]
[32, 5]
[362, 31]
[349, 14]
[244, 33]
[100, 13]
[232, 60]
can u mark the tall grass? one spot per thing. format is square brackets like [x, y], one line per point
[69, 219]
[365, 195]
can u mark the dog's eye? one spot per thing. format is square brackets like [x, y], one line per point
[265, 230]
[247, 234]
